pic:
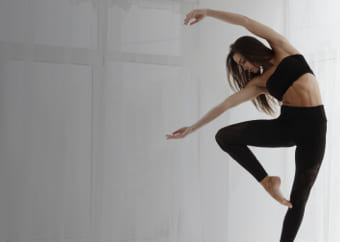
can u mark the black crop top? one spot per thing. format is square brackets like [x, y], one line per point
[289, 70]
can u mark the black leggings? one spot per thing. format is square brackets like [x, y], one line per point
[303, 127]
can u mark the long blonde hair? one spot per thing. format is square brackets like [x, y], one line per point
[258, 54]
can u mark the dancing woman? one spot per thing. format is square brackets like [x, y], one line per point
[269, 76]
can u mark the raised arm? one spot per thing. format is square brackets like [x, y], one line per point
[275, 39]
[252, 25]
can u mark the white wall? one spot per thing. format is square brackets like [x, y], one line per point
[88, 91]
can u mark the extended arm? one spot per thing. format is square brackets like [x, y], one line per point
[249, 92]
[253, 26]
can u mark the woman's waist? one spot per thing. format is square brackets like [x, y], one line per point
[303, 92]
[304, 113]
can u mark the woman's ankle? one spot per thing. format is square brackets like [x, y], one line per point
[265, 180]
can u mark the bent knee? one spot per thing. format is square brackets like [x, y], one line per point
[219, 136]
[223, 137]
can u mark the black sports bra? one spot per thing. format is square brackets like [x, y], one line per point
[289, 70]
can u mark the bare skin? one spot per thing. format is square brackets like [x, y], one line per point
[272, 185]
[304, 92]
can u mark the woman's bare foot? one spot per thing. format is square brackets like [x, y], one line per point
[272, 186]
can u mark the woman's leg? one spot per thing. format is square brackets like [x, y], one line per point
[308, 159]
[234, 139]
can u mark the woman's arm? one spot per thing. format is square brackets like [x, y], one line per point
[232, 18]
[253, 26]
[249, 92]
[277, 41]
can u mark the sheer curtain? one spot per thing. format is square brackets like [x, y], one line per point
[313, 26]
[88, 90]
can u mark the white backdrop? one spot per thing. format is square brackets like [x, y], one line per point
[88, 90]
[314, 28]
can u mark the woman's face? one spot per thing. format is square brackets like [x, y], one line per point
[246, 65]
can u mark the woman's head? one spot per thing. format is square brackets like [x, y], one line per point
[246, 58]
[245, 64]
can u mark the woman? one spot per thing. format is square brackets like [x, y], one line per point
[267, 76]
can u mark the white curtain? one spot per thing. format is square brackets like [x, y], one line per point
[313, 26]
[88, 90]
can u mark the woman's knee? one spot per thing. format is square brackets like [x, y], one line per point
[220, 136]
[231, 135]
[302, 187]
[223, 137]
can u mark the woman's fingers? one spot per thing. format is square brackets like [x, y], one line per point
[173, 136]
[180, 133]
[195, 21]
[186, 21]
[177, 131]
[195, 14]
[189, 16]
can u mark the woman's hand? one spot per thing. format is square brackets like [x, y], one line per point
[180, 133]
[197, 14]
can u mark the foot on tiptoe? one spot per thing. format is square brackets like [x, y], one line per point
[272, 185]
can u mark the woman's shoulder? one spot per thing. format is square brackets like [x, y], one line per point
[260, 80]
[283, 48]
[279, 54]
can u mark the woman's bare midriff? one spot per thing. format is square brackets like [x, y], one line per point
[304, 92]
